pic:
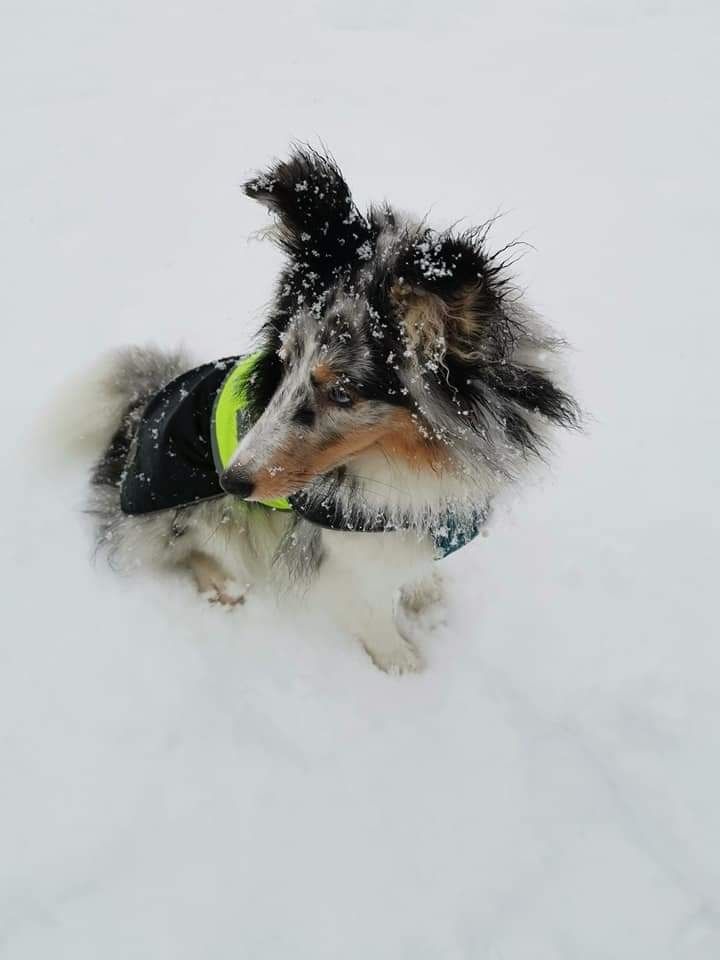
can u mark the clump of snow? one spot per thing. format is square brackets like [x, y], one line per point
[431, 259]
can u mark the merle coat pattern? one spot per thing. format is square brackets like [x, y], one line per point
[400, 378]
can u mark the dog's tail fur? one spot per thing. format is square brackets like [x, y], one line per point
[90, 409]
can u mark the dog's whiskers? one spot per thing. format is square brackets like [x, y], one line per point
[382, 483]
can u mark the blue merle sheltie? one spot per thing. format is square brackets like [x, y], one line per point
[397, 386]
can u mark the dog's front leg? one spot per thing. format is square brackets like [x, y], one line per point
[361, 578]
[419, 595]
[212, 580]
[388, 643]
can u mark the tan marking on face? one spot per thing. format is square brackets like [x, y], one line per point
[321, 373]
[406, 442]
[397, 435]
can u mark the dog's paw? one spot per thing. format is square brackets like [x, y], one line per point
[431, 617]
[402, 657]
[228, 594]
[213, 582]
[420, 607]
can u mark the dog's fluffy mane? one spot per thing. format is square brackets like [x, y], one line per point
[436, 324]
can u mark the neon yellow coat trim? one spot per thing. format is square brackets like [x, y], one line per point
[230, 404]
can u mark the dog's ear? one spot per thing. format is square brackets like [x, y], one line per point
[448, 293]
[318, 223]
[453, 302]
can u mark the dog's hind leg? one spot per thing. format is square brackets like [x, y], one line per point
[212, 581]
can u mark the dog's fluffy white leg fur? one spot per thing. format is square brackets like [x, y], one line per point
[418, 596]
[360, 585]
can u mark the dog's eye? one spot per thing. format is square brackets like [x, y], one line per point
[339, 395]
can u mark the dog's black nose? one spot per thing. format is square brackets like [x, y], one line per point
[236, 483]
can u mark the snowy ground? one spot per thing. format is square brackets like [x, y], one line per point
[179, 783]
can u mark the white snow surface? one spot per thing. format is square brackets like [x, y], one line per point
[177, 782]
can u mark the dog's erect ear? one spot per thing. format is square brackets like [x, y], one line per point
[318, 221]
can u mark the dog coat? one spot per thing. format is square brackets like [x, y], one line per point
[187, 435]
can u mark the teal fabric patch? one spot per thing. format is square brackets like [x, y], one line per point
[452, 534]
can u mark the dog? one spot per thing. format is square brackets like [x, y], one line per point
[397, 386]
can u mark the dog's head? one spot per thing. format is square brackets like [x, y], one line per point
[384, 334]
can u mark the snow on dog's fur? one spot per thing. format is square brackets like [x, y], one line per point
[398, 376]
